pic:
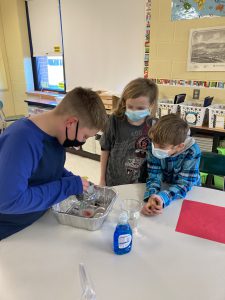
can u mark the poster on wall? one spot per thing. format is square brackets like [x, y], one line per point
[192, 9]
[206, 50]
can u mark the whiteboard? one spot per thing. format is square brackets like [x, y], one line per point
[103, 42]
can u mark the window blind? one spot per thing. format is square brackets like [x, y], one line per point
[45, 27]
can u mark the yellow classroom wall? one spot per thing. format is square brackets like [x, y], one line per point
[169, 51]
[14, 45]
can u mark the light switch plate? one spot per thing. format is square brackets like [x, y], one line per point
[196, 94]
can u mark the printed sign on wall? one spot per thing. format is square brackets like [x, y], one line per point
[190, 83]
[147, 37]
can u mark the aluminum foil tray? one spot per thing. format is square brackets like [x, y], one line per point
[67, 212]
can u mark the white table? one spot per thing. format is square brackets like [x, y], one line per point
[41, 262]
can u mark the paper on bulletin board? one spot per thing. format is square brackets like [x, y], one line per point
[57, 49]
[192, 9]
[220, 121]
[164, 112]
[3, 80]
[61, 85]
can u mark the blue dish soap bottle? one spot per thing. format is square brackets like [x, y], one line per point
[122, 239]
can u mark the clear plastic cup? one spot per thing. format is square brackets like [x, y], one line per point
[133, 208]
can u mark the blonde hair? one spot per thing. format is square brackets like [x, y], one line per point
[86, 105]
[137, 88]
[169, 130]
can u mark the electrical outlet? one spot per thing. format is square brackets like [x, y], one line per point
[196, 94]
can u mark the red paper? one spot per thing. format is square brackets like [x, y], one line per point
[203, 220]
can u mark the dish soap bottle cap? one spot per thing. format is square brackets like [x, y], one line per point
[123, 218]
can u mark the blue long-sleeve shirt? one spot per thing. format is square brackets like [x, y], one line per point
[32, 175]
[180, 171]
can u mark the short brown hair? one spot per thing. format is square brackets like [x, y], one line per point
[169, 130]
[86, 105]
[137, 88]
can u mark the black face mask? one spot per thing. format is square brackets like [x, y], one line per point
[72, 143]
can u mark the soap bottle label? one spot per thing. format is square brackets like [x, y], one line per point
[124, 241]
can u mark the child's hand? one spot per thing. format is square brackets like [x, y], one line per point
[85, 184]
[153, 207]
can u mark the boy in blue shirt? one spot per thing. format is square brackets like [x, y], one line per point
[173, 158]
[32, 157]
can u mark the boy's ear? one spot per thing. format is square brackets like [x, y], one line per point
[181, 146]
[71, 120]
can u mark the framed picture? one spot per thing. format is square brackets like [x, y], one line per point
[206, 49]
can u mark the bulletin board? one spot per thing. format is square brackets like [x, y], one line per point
[104, 42]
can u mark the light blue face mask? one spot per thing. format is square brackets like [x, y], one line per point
[159, 153]
[137, 115]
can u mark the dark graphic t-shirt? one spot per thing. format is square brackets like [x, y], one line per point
[127, 144]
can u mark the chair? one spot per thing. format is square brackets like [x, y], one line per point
[212, 164]
[208, 101]
[5, 120]
[179, 98]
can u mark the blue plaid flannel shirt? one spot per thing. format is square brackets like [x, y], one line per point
[181, 172]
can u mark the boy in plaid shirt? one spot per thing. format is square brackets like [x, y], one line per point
[173, 157]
